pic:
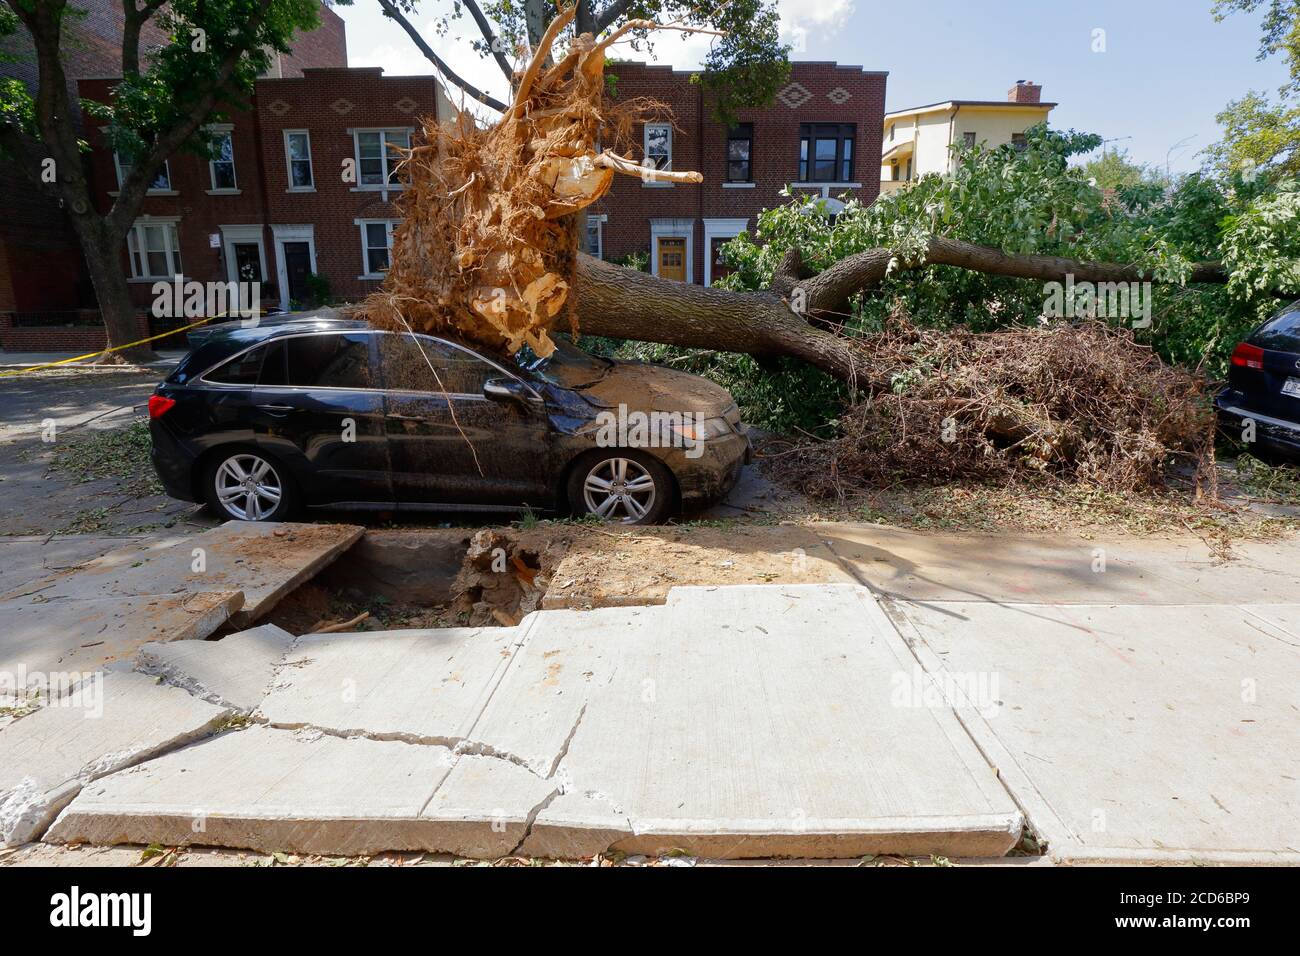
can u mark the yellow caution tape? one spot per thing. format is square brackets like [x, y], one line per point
[115, 348]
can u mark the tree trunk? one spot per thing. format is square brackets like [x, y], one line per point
[618, 302]
[103, 253]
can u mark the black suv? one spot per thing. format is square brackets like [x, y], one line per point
[325, 412]
[1264, 386]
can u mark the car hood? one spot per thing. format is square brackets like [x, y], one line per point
[652, 388]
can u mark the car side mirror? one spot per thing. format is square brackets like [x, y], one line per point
[507, 390]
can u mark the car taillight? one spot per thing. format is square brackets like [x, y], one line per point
[1248, 356]
[160, 405]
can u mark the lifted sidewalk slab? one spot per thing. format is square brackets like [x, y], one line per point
[110, 722]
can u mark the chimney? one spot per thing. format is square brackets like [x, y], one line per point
[1025, 91]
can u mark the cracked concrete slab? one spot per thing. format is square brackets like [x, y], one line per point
[788, 695]
[418, 685]
[235, 671]
[109, 722]
[1134, 733]
[730, 722]
[267, 790]
[43, 636]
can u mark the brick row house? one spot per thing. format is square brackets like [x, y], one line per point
[300, 196]
[821, 135]
[46, 298]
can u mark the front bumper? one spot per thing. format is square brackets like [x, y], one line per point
[707, 478]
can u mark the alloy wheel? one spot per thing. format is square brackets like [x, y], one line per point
[248, 487]
[619, 489]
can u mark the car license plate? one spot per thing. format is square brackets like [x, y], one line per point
[1291, 387]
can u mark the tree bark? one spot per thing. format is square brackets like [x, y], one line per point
[619, 302]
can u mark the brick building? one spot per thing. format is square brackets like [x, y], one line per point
[46, 298]
[820, 135]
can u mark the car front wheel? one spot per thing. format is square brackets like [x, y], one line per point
[248, 486]
[620, 485]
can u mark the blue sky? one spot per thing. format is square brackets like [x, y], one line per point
[1166, 70]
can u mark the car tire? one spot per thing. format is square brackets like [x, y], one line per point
[644, 494]
[274, 498]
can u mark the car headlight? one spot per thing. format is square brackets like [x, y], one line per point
[703, 431]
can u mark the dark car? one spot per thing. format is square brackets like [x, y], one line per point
[1264, 386]
[324, 412]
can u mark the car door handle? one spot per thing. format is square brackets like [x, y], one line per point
[406, 418]
[280, 409]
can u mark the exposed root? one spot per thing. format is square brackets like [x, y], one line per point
[487, 247]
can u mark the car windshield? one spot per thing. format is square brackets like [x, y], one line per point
[1282, 332]
[568, 366]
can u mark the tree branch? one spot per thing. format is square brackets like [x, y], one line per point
[133, 19]
[492, 39]
[390, 10]
[607, 16]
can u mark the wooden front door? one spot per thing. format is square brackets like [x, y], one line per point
[672, 258]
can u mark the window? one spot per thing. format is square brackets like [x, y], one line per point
[1281, 333]
[241, 370]
[377, 161]
[826, 152]
[376, 245]
[405, 360]
[968, 139]
[154, 250]
[740, 145]
[222, 164]
[1019, 142]
[161, 183]
[592, 238]
[332, 360]
[659, 148]
[297, 150]
[891, 131]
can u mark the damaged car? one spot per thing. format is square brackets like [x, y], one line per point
[326, 412]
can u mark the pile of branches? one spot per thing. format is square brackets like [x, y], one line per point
[1079, 403]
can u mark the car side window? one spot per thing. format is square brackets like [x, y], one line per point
[240, 370]
[406, 360]
[329, 360]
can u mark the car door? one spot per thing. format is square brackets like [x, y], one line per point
[318, 406]
[448, 442]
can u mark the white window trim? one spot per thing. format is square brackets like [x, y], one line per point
[281, 234]
[600, 221]
[719, 229]
[827, 187]
[674, 228]
[645, 152]
[242, 234]
[288, 163]
[137, 227]
[737, 185]
[224, 129]
[361, 224]
[384, 187]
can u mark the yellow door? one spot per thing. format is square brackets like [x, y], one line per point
[672, 258]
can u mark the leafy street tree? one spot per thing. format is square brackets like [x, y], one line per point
[211, 53]
[1261, 133]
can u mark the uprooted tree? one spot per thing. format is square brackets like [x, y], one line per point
[488, 245]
